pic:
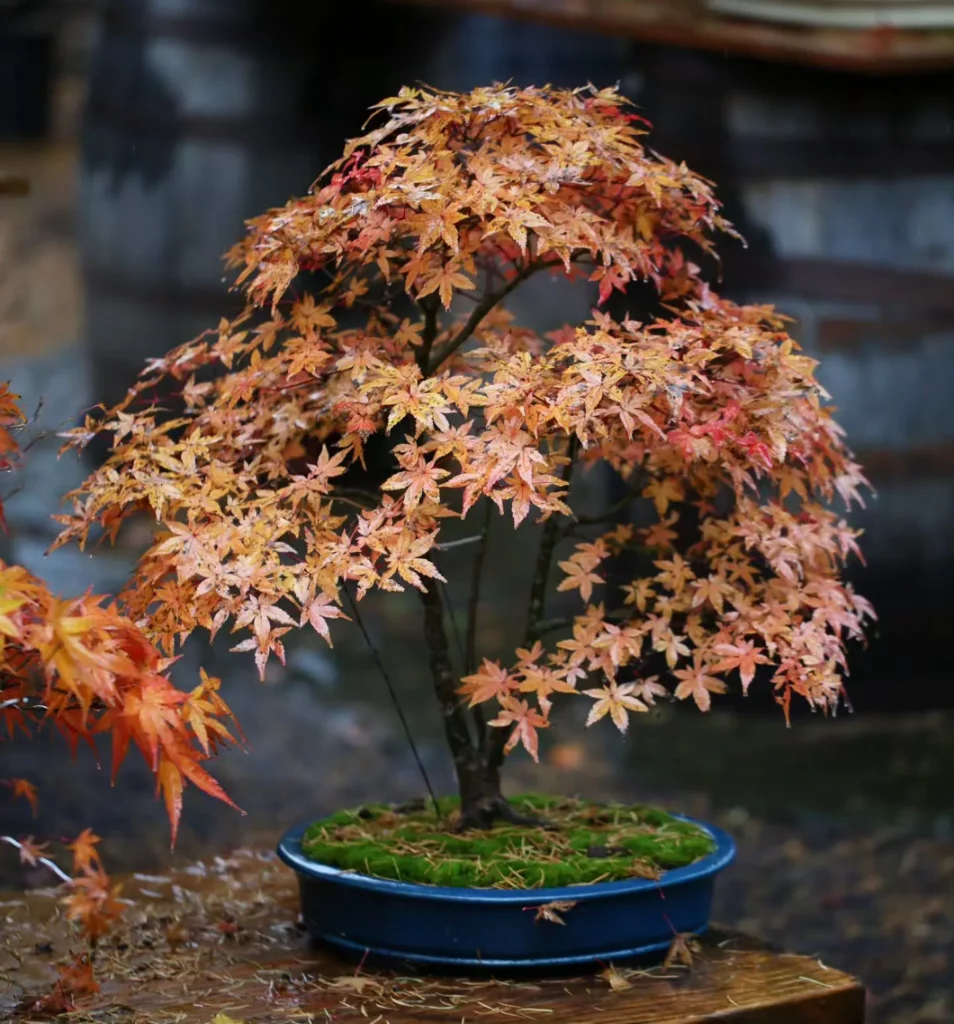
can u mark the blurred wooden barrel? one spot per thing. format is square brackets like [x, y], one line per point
[202, 113]
[844, 14]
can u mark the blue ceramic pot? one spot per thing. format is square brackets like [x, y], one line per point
[434, 926]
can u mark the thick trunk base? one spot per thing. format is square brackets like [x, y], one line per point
[487, 807]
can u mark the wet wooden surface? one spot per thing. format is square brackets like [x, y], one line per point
[689, 23]
[222, 937]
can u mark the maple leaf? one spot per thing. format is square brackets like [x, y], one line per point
[681, 951]
[695, 682]
[317, 613]
[358, 983]
[491, 681]
[23, 789]
[93, 903]
[743, 656]
[31, 851]
[647, 690]
[616, 701]
[663, 491]
[75, 981]
[524, 721]
[552, 911]
[579, 577]
[616, 979]
[447, 278]
[86, 857]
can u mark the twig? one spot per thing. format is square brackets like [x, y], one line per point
[473, 605]
[466, 756]
[473, 601]
[633, 491]
[355, 494]
[459, 543]
[394, 699]
[538, 592]
[429, 304]
[483, 308]
[452, 617]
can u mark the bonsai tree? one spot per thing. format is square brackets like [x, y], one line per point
[412, 243]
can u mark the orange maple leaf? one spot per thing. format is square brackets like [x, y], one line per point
[24, 790]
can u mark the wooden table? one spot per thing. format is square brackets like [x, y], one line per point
[221, 937]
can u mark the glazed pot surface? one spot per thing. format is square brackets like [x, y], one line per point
[437, 926]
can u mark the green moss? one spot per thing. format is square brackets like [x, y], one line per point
[587, 843]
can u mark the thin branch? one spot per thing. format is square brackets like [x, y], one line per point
[483, 308]
[394, 699]
[459, 543]
[452, 618]
[473, 604]
[552, 531]
[633, 491]
[465, 754]
[429, 305]
[358, 494]
[354, 496]
[538, 591]
[551, 626]
[473, 601]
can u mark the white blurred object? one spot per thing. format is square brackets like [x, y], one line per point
[847, 14]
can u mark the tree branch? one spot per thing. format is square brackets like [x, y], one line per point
[429, 305]
[552, 534]
[634, 488]
[483, 308]
[473, 600]
[465, 754]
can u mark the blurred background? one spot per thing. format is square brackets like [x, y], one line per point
[135, 138]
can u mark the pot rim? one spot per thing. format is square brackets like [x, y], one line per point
[290, 852]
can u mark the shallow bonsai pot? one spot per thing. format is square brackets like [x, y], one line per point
[435, 926]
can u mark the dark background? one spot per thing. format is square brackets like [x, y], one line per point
[149, 129]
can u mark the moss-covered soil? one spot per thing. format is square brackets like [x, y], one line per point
[584, 843]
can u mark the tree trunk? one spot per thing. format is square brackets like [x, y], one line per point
[476, 764]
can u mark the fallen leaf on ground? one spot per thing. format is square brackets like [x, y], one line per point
[356, 983]
[681, 950]
[615, 978]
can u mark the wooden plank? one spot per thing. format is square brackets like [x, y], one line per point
[691, 24]
[221, 937]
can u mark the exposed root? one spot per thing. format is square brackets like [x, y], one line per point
[486, 813]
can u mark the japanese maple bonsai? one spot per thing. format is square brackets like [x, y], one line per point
[411, 244]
